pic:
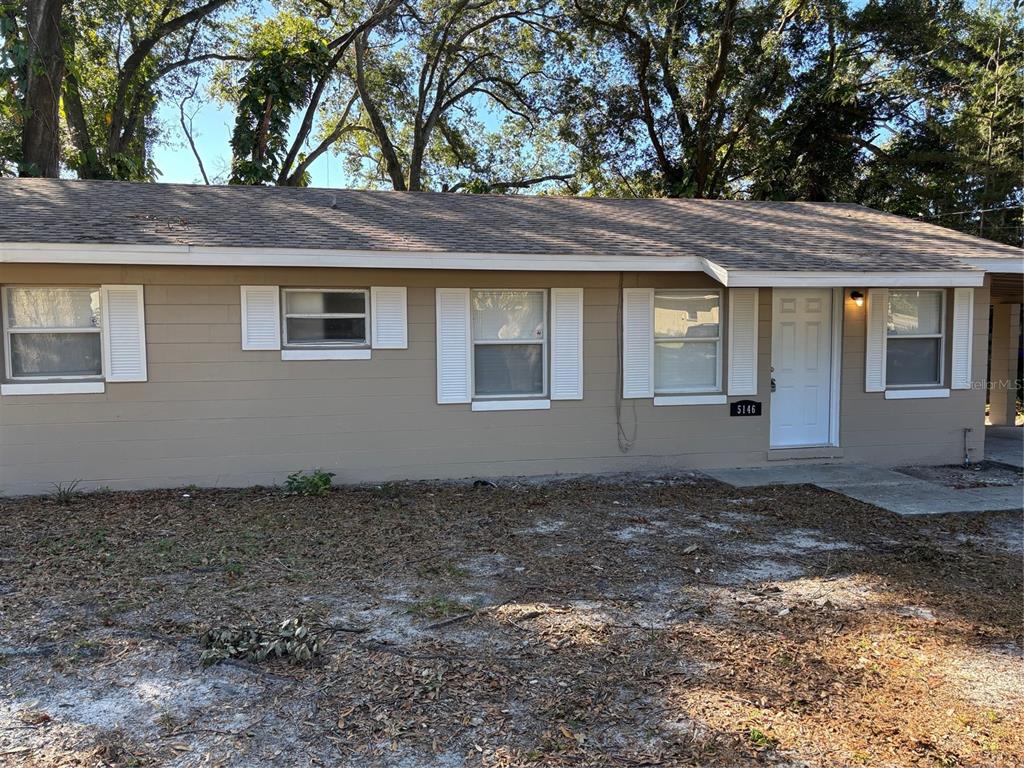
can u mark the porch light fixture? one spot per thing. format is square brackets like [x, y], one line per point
[858, 298]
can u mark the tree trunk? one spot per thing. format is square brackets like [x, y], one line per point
[40, 137]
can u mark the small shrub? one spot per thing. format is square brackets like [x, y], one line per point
[291, 640]
[313, 483]
[65, 493]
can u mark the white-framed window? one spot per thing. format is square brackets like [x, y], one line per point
[687, 341]
[52, 332]
[915, 337]
[509, 343]
[325, 317]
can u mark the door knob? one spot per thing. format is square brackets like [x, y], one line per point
[773, 383]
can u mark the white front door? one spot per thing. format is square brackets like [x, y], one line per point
[801, 366]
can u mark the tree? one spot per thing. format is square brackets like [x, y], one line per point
[121, 56]
[429, 81]
[295, 65]
[661, 94]
[33, 68]
[956, 154]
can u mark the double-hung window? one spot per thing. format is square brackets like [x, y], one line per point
[915, 331]
[687, 341]
[325, 318]
[52, 333]
[509, 335]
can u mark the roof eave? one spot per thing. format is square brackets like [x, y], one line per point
[209, 256]
[190, 255]
[962, 278]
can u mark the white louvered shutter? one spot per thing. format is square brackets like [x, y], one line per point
[124, 332]
[566, 343]
[637, 342]
[453, 346]
[874, 348]
[261, 317]
[389, 316]
[963, 337]
[743, 341]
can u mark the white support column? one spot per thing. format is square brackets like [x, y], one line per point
[1005, 338]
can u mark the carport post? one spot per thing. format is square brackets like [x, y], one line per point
[1005, 353]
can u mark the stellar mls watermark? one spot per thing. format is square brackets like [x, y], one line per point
[998, 384]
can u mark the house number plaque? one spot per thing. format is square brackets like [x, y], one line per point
[745, 408]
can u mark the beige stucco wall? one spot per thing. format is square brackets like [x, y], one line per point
[213, 414]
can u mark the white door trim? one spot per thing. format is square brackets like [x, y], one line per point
[838, 313]
[837, 297]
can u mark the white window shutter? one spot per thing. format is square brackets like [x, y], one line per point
[743, 341]
[261, 317]
[390, 318]
[963, 337]
[453, 346]
[874, 348]
[124, 332]
[566, 343]
[638, 342]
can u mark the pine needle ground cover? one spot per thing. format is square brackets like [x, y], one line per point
[664, 621]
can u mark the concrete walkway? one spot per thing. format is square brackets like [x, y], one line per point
[1005, 445]
[884, 488]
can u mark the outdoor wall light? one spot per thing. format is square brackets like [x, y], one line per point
[858, 298]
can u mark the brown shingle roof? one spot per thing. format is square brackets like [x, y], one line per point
[735, 234]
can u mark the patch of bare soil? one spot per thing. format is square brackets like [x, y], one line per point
[984, 474]
[672, 621]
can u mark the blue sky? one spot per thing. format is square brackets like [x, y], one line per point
[212, 133]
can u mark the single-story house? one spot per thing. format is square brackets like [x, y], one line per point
[164, 335]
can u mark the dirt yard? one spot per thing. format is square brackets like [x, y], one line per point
[656, 622]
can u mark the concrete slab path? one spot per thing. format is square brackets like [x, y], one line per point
[884, 488]
[1005, 445]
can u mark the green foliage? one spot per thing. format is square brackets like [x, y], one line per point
[13, 58]
[958, 156]
[760, 740]
[287, 59]
[450, 98]
[291, 640]
[316, 482]
[910, 106]
[907, 105]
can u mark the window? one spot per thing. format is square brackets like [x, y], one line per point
[687, 342]
[914, 345]
[52, 333]
[509, 343]
[325, 318]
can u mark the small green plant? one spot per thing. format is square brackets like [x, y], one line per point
[65, 493]
[313, 483]
[291, 640]
[761, 740]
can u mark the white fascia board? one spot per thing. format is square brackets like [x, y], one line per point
[794, 279]
[717, 271]
[187, 255]
[1006, 266]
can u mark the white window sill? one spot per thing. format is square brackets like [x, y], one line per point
[690, 400]
[915, 394]
[54, 388]
[511, 405]
[325, 354]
